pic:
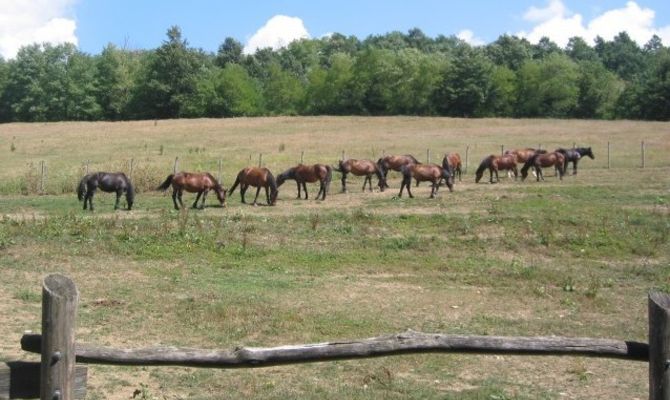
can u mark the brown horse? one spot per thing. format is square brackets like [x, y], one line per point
[522, 155]
[453, 160]
[259, 178]
[395, 163]
[303, 174]
[200, 183]
[361, 168]
[543, 160]
[496, 163]
[425, 172]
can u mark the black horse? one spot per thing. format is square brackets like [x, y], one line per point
[574, 155]
[116, 182]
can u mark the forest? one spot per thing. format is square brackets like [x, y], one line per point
[392, 74]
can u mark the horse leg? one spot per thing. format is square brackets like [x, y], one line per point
[89, 195]
[433, 190]
[243, 191]
[491, 175]
[538, 172]
[299, 194]
[174, 199]
[344, 182]
[574, 168]
[119, 192]
[204, 195]
[304, 188]
[197, 197]
[257, 192]
[180, 193]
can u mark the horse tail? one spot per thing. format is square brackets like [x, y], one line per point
[130, 193]
[167, 183]
[329, 177]
[529, 163]
[81, 189]
[237, 182]
[414, 160]
[340, 166]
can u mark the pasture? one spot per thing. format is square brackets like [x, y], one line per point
[573, 258]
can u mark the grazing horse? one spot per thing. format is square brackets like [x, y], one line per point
[496, 163]
[200, 183]
[522, 155]
[425, 172]
[361, 168]
[308, 173]
[453, 160]
[257, 177]
[395, 163]
[116, 182]
[574, 155]
[543, 160]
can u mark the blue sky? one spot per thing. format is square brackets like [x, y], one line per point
[91, 24]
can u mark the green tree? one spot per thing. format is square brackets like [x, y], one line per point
[226, 92]
[510, 51]
[230, 52]
[503, 94]
[169, 78]
[599, 91]
[579, 50]
[622, 55]
[331, 90]
[115, 71]
[465, 85]
[80, 100]
[283, 92]
[548, 87]
[4, 73]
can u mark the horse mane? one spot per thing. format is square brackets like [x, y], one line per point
[413, 158]
[217, 185]
[272, 181]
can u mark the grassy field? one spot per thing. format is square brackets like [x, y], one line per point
[574, 258]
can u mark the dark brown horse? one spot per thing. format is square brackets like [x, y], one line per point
[361, 168]
[425, 172]
[574, 155]
[200, 183]
[116, 182]
[522, 155]
[544, 160]
[395, 163]
[259, 178]
[453, 160]
[303, 174]
[496, 163]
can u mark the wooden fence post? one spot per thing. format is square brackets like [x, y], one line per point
[59, 312]
[467, 153]
[132, 163]
[87, 163]
[176, 165]
[343, 154]
[642, 151]
[220, 169]
[260, 160]
[608, 155]
[502, 149]
[659, 346]
[428, 155]
[302, 157]
[42, 173]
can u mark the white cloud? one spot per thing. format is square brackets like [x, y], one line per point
[468, 36]
[559, 24]
[278, 32]
[24, 22]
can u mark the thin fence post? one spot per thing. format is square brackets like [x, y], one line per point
[502, 149]
[176, 165]
[302, 157]
[260, 160]
[467, 153]
[132, 162]
[659, 346]
[343, 154]
[539, 146]
[42, 173]
[574, 145]
[428, 155]
[87, 163]
[220, 169]
[642, 151]
[608, 155]
[59, 312]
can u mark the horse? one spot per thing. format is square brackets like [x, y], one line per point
[425, 172]
[453, 160]
[522, 155]
[361, 168]
[116, 182]
[574, 155]
[308, 173]
[395, 163]
[259, 178]
[200, 183]
[543, 160]
[496, 163]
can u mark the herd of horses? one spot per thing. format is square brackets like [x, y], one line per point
[408, 166]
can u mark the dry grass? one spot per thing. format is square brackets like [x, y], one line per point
[356, 265]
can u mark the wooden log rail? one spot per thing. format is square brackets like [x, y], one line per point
[402, 343]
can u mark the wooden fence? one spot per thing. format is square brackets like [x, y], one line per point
[58, 377]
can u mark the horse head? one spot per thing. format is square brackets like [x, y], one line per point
[220, 194]
[284, 176]
[589, 152]
[273, 196]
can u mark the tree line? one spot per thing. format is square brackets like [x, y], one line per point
[392, 74]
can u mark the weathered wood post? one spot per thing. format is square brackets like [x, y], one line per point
[642, 151]
[132, 164]
[42, 173]
[176, 165]
[220, 169]
[59, 311]
[608, 155]
[302, 157]
[260, 160]
[87, 163]
[428, 155]
[343, 154]
[659, 346]
[467, 153]
[502, 149]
